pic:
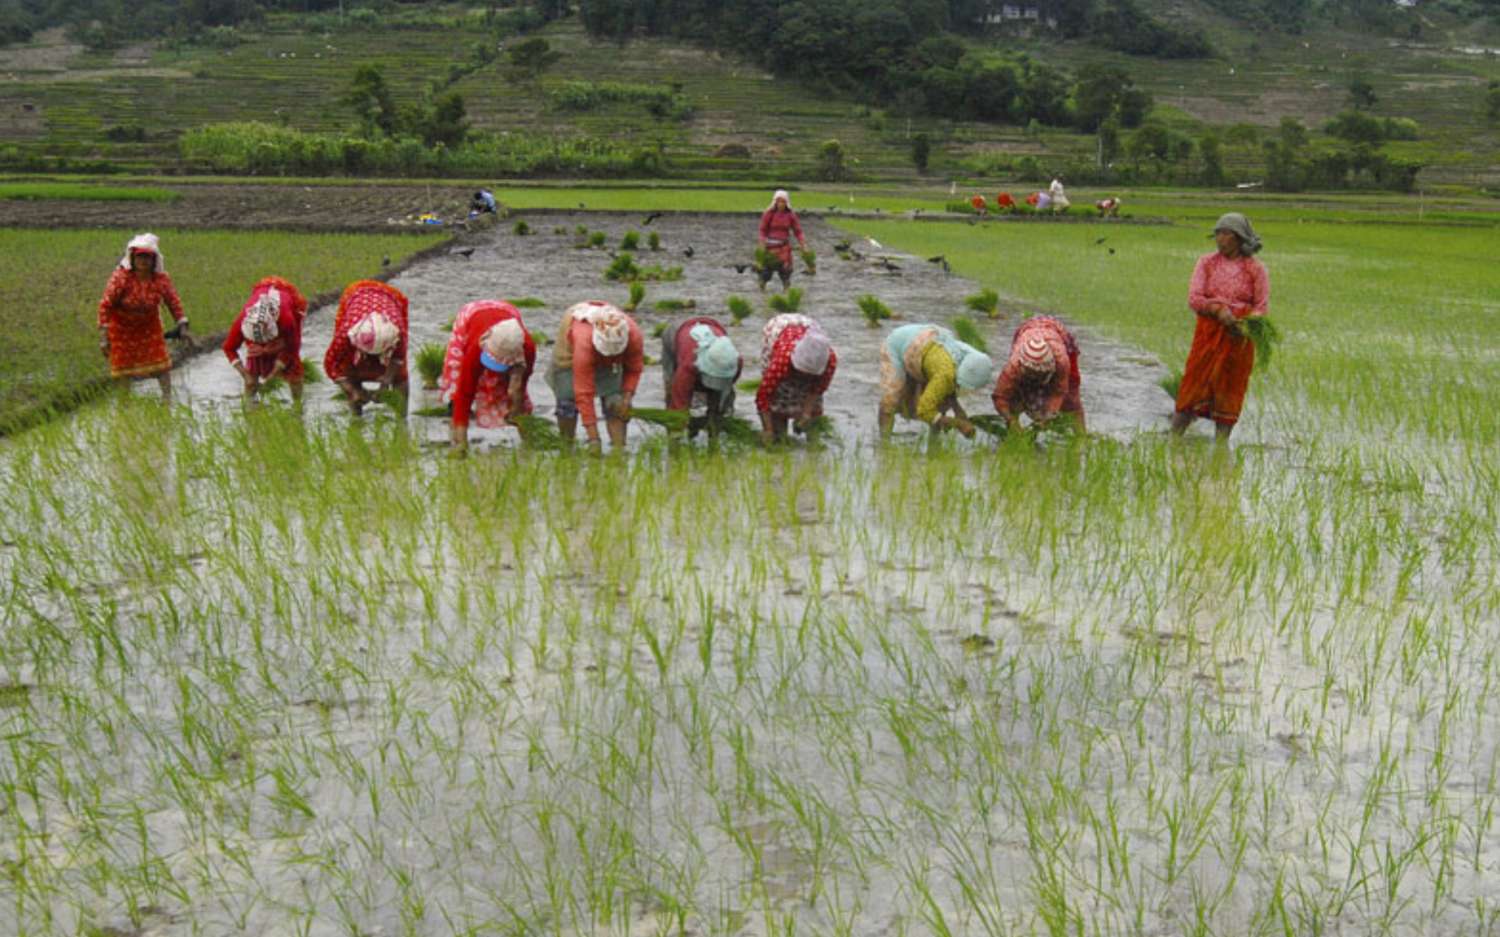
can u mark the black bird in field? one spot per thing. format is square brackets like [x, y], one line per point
[886, 264]
[651, 217]
[581, 205]
[740, 268]
[841, 246]
[385, 261]
[1111, 250]
[688, 251]
[1101, 240]
[465, 252]
[942, 261]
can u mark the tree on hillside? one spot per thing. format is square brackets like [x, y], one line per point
[370, 98]
[1104, 91]
[443, 121]
[1492, 101]
[530, 57]
[1361, 93]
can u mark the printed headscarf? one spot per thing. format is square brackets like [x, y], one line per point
[260, 324]
[148, 243]
[1240, 226]
[1034, 356]
[611, 333]
[505, 342]
[780, 194]
[375, 334]
[810, 354]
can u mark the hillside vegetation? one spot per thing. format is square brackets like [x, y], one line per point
[485, 92]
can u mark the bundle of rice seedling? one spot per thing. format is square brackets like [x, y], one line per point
[637, 294]
[622, 268]
[991, 423]
[630, 241]
[429, 362]
[790, 301]
[440, 412]
[749, 386]
[1265, 335]
[539, 337]
[521, 228]
[765, 260]
[810, 258]
[653, 241]
[525, 302]
[391, 398]
[1171, 383]
[597, 239]
[873, 309]
[986, 301]
[969, 333]
[739, 308]
[675, 305]
[312, 371]
[538, 433]
[816, 427]
[674, 421]
[739, 429]
[658, 329]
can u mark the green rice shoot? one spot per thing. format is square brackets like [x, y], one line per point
[790, 301]
[1263, 332]
[986, 301]
[969, 333]
[739, 308]
[429, 362]
[874, 310]
[674, 421]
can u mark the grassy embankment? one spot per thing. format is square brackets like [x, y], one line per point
[1102, 688]
[52, 354]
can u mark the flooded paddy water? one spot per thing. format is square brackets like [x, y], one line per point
[262, 674]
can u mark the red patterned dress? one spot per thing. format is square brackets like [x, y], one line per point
[1017, 392]
[360, 299]
[783, 389]
[131, 312]
[1218, 366]
[286, 347]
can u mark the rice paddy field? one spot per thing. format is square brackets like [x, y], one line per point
[271, 673]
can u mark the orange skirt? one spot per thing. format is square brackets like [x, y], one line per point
[137, 347]
[1217, 373]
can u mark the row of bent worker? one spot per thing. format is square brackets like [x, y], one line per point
[599, 355]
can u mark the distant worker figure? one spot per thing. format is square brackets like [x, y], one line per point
[922, 369]
[797, 363]
[1108, 207]
[369, 343]
[1228, 285]
[482, 203]
[599, 353]
[699, 365]
[1004, 202]
[487, 367]
[978, 204]
[269, 328]
[1059, 198]
[778, 225]
[130, 332]
[1041, 376]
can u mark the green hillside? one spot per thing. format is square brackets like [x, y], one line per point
[64, 107]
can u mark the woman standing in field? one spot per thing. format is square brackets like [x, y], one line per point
[922, 369]
[778, 225]
[130, 332]
[796, 366]
[488, 365]
[369, 343]
[1228, 285]
[1041, 376]
[269, 327]
[599, 353]
[699, 364]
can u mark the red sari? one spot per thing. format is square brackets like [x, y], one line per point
[360, 299]
[131, 312]
[1218, 366]
[467, 383]
[260, 360]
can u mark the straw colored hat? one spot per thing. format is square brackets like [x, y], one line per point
[505, 341]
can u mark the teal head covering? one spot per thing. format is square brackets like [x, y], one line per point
[717, 360]
[1239, 226]
[975, 369]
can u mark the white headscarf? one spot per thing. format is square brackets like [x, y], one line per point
[144, 242]
[611, 326]
[780, 194]
[375, 334]
[810, 354]
[505, 341]
[260, 323]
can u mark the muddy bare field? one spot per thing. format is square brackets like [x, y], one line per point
[1120, 389]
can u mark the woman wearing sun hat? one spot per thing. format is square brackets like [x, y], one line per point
[1228, 285]
[487, 368]
[699, 365]
[130, 332]
[797, 363]
[778, 225]
[269, 328]
[1040, 378]
[369, 342]
[600, 353]
[922, 369]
